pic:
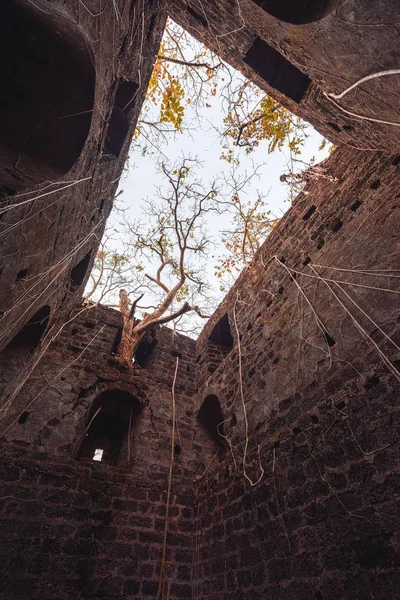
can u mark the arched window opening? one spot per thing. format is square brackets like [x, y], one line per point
[221, 334]
[14, 356]
[78, 272]
[47, 94]
[278, 72]
[220, 343]
[119, 121]
[209, 419]
[299, 12]
[110, 430]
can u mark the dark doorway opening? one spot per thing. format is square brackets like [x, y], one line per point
[145, 350]
[119, 121]
[78, 272]
[31, 333]
[18, 351]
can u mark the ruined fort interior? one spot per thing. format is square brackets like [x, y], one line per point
[298, 497]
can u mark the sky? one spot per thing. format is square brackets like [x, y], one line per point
[141, 173]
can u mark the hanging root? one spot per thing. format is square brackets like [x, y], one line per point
[161, 581]
[246, 423]
[332, 97]
[229, 442]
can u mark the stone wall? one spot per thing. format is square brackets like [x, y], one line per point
[297, 497]
[353, 40]
[75, 530]
[306, 508]
[53, 214]
[85, 529]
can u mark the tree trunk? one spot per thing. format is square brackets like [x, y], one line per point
[128, 345]
[129, 338]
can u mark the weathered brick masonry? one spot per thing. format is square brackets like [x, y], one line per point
[52, 220]
[300, 499]
[321, 405]
[73, 528]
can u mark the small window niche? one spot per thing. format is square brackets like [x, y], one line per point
[144, 354]
[118, 126]
[209, 420]
[47, 93]
[18, 351]
[278, 72]
[109, 435]
[299, 12]
[196, 17]
[220, 342]
[32, 332]
[78, 272]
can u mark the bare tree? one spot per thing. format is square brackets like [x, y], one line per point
[162, 258]
[251, 224]
[167, 255]
[111, 271]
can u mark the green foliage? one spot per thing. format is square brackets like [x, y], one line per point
[251, 224]
[187, 72]
[267, 122]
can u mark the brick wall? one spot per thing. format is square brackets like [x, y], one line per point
[73, 528]
[76, 530]
[321, 408]
[48, 227]
[320, 400]
[300, 499]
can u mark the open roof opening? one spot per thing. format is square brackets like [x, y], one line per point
[208, 143]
